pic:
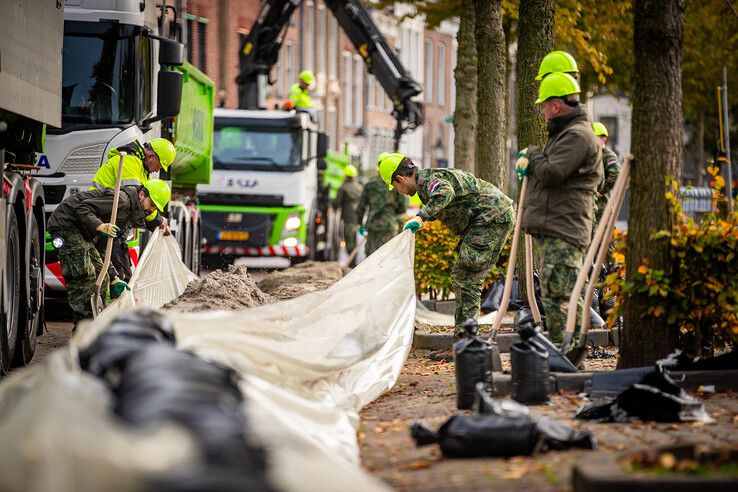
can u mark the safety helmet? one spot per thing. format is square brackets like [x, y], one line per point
[159, 193]
[557, 61]
[350, 171]
[165, 150]
[381, 157]
[557, 85]
[599, 129]
[388, 165]
[307, 77]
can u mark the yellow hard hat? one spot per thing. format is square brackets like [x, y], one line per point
[165, 150]
[557, 61]
[381, 157]
[350, 171]
[388, 165]
[599, 129]
[159, 193]
[557, 85]
[307, 77]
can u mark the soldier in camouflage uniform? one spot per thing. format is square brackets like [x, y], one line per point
[384, 213]
[80, 218]
[346, 201]
[563, 180]
[611, 167]
[471, 208]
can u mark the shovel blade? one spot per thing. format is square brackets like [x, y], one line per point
[494, 353]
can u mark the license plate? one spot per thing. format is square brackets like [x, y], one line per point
[233, 235]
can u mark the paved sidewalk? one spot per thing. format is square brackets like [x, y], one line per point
[426, 391]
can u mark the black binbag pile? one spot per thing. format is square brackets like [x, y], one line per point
[153, 383]
[655, 397]
[500, 428]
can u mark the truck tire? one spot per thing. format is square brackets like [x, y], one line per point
[31, 316]
[12, 283]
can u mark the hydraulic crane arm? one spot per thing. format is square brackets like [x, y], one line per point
[261, 49]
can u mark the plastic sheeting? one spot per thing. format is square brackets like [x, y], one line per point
[308, 364]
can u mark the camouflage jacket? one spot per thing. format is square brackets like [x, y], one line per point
[384, 208]
[611, 165]
[459, 199]
[347, 200]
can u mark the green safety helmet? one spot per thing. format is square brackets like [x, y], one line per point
[557, 85]
[557, 61]
[381, 157]
[388, 164]
[165, 150]
[159, 193]
[599, 129]
[307, 77]
[350, 171]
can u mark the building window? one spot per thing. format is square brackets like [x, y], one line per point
[428, 71]
[370, 97]
[201, 44]
[333, 50]
[190, 39]
[289, 69]
[452, 91]
[441, 86]
[322, 36]
[347, 96]
[308, 48]
[358, 91]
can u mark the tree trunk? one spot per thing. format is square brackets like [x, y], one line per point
[657, 96]
[699, 168]
[465, 114]
[535, 40]
[491, 93]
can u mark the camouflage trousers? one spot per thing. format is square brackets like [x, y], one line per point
[349, 236]
[479, 250]
[375, 238]
[80, 265]
[558, 264]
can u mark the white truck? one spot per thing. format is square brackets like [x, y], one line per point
[265, 197]
[117, 87]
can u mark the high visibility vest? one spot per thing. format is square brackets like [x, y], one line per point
[300, 97]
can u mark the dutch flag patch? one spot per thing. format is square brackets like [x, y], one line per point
[433, 187]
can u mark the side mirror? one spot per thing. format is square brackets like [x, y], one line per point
[168, 94]
[170, 52]
[322, 150]
[321, 164]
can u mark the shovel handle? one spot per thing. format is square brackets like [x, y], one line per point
[510, 263]
[353, 254]
[109, 245]
[529, 282]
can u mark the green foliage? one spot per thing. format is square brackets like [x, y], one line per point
[435, 255]
[699, 298]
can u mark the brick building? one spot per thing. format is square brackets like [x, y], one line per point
[350, 104]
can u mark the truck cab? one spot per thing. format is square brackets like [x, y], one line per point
[265, 197]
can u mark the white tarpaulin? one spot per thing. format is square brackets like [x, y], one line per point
[308, 364]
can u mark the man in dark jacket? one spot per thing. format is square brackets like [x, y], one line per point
[83, 216]
[563, 181]
[346, 201]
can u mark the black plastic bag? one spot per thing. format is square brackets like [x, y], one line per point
[530, 373]
[530, 332]
[484, 404]
[655, 398]
[472, 364]
[470, 436]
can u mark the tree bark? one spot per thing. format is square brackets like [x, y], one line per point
[535, 40]
[491, 93]
[465, 113]
[699, 168]
[657, 96]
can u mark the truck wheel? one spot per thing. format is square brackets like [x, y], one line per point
[31, 316]
[13, 286]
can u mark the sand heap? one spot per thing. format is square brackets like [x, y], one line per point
[301, 279]
[229, 290]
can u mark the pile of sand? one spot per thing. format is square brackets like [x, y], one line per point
[301, 279]
[229, 290]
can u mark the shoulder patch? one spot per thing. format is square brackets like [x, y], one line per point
[434, 185]
[611, 162]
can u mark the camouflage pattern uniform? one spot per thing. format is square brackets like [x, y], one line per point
[75, 221]
[346, 201]
[478, 212]
[385, 210]
[611, 165]
[558, 263]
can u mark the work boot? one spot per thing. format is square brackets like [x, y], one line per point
[447, 354]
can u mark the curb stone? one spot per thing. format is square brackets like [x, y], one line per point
[439, 341]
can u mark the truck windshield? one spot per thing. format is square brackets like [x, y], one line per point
[256, 148]
[98, 74]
